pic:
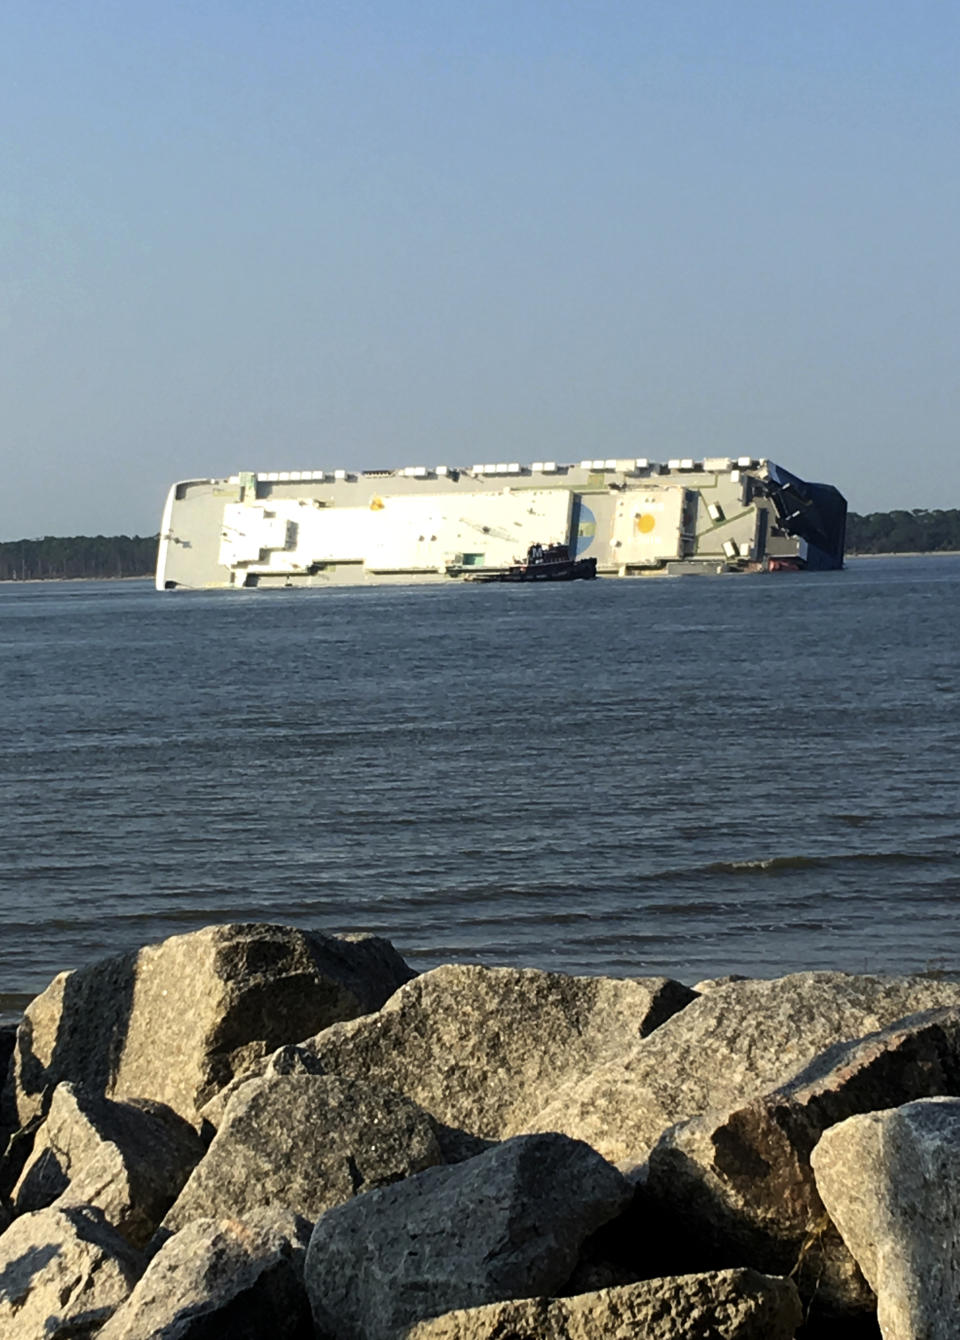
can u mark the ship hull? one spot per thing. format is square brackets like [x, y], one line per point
[632, 518]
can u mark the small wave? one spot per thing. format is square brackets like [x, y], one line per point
[493, 895]
[757, 865]
[780, 864]
[763, 865]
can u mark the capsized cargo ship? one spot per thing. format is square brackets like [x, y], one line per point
[636, 517]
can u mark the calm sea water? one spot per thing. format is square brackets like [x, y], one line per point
[693, 776]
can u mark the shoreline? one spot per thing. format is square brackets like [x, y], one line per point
[42, 581]
[908, 553]
[148, 576]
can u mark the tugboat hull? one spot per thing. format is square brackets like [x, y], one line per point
[572, 570]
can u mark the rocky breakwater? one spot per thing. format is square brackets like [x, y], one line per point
[254, 1131]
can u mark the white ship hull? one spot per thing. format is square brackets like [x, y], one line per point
[635, 517]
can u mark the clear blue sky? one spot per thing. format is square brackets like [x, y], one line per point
[362, 233]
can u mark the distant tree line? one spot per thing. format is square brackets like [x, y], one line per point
[58, 556]
[918, 531]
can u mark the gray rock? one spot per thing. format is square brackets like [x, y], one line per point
[241, 1279]
[713, 983]
[726, 1305]
[891, 1182]
[728, 1046]
[129, 1160]
[62, 1273]
[506, 1224]
[483, 1048]
[305, 1143]
[291, 1059]
[176, 1021]
[738, 1185]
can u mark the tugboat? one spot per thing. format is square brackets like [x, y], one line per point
[543, 564]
